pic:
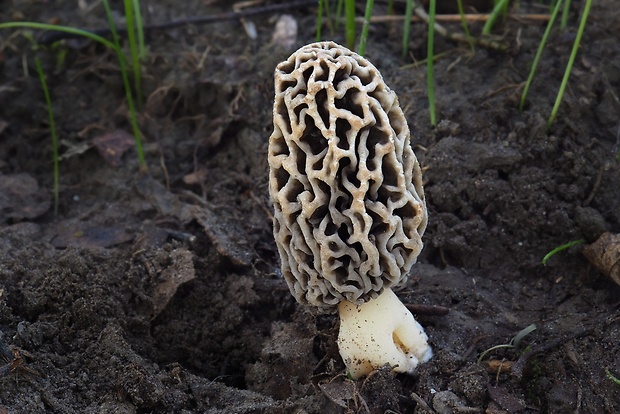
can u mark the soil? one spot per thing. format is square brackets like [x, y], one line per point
[160, 292]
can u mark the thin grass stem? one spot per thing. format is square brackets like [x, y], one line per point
[319, 20]
[500, 6]
[349, 23]
[470, 40]
[406, 28]
[365, 26]
[50, 112]
[564, 21]
[571, 61]
[133, 48]
[339, 7]
[71, 30]
[121, 59]
[541, 46]
[429, 64]
[139, 30]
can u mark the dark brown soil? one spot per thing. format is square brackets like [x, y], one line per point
[161, 293]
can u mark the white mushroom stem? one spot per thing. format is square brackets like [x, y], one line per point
[379, 332]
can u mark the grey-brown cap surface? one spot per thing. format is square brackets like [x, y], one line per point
[345, 183]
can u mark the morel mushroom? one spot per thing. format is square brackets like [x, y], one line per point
[349, 204]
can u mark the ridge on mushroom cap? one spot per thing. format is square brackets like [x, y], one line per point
[345, 183]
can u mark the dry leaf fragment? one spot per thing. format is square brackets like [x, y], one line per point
[499, 366]
[22, 198]
[112, 146]
[179, 272]
[604, 254]
[340, 391]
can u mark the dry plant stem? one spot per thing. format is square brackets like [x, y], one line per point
[458, 37]
[422, 403]
[455, 18]
[52, 36]
[428, 310]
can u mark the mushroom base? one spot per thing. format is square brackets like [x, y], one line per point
[379, 332]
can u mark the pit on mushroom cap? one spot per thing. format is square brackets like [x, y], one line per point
[345, 184]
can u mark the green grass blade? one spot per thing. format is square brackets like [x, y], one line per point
[51, 27]
[50, 112]
[612, 377]
[349, 23]
[339, 7]
[571, 61]
[493, 348]
[366, 26]
[522, 334]
[499, 8]
[319, 20]
[464, 24]
[139, 30]
[541, 46]
[560, 248]
[129, 96]
[133, 48]
[406, 28]
[429, 64]
[565, 15]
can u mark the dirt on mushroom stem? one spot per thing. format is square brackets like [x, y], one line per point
[502, 192]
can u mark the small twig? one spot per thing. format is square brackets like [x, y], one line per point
[422, 403]
[430, 310]
[459, 37]
[455, 18]
[51, 37]
[597, 184]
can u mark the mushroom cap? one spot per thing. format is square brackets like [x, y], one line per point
[345, 183]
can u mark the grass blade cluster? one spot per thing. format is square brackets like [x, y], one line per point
[571, 60]
[319, 20]
[128, 94]
[122, 61]
[541, 46]
[514, 342]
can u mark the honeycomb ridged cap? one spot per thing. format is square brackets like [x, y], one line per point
[345, 183]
